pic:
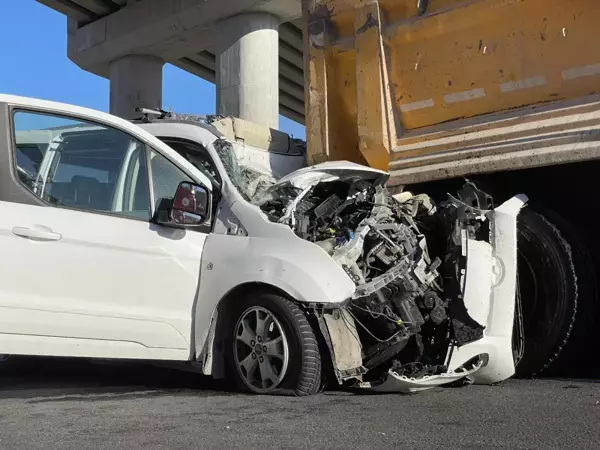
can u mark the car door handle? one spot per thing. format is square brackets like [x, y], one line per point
[38, 233]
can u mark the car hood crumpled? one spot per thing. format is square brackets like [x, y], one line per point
[332, 171]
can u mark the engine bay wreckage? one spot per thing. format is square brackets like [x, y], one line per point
[435, 284]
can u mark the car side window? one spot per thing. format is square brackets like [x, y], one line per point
[73, 163]
[166, 177]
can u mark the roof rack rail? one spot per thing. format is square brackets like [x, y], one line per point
[148, 112]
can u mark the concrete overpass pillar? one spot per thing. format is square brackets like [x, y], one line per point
[247, 50]
[135, 81]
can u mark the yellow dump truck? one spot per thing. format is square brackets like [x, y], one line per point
[503, 92]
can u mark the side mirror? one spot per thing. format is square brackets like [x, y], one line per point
[190, 206]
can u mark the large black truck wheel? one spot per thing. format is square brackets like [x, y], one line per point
[10, 364]
[547, 292]
[557, 294]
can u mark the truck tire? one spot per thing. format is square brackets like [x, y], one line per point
[271, 347]
[8, 364]
[572, 361]
[5, 361]
[548, 290]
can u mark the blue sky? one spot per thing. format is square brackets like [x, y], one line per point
[35, 64]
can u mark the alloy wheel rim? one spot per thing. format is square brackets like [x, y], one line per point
[260, 349]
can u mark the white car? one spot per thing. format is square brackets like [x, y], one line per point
[163, 240]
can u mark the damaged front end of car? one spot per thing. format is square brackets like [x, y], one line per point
[435, 284]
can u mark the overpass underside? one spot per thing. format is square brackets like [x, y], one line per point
[251, 49]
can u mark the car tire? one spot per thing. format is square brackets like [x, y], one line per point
[287, 345]
[548, 290]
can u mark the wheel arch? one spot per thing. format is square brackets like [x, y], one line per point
[213, 351]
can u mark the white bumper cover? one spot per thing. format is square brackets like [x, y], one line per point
[489, 284]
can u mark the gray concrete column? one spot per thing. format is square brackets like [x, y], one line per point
[247, 49]
[135, 81]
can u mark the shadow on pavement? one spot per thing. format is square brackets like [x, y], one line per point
[51, 377]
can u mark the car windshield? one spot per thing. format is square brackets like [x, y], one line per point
[198, 155]
[230, 162]
[250, 183]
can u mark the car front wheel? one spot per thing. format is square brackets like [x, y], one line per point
[273, 347]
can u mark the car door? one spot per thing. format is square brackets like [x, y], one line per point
[84, 271]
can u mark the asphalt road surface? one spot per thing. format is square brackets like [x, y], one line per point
[45, 405]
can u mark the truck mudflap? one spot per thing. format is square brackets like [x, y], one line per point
[489, 286]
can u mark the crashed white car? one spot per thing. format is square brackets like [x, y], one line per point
[164, 240]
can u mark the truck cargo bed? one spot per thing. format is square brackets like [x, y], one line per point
[442, 88]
